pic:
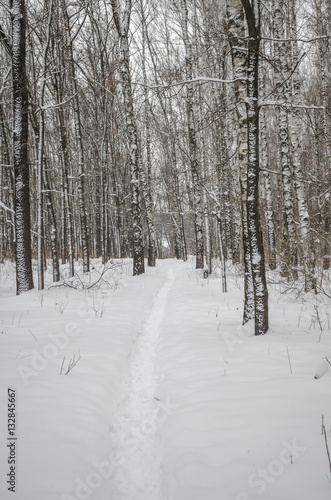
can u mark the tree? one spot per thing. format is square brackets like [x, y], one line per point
[237, 40]
[145, 173]
[122, 23]
[41, 136]
[289, 260]
[246, 62]
[79, 141]
[24, 279]
[198, 218]
[252, 12]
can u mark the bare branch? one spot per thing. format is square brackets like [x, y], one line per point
[198, 79]
[289, 105]
[5, 42]
[303, 40]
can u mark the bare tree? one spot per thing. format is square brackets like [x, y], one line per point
[236, 19]
[79, 140]
[24, 280]
[122, 23]
[252, 12]
[246, 60]
[41, 134]
[198, 215]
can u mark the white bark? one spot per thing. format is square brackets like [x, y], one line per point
[79, 142]
[324, 56]
[268, 191]
[145, 173]
[24, 280]
[235, 15]
[295, 125]
[198, 215]
[122, 25]
[261, 317]
[282, 84]
[41, 134]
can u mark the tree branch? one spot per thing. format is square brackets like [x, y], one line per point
[198, 79]
[5, 42]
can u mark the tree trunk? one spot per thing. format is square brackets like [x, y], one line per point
[66, 193]
[198, 215]
[79, 141]
[24, 280]
[295, 125]
[323, 66]
[289, 259]
[122, 26]
[252, 11]
[145, 174]
[269, 215]
[238, 44]
[41, 135]
[53, 226]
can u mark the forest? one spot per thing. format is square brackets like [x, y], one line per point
[165, 251]
[155, 129]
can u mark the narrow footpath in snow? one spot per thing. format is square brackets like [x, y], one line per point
[140, 413]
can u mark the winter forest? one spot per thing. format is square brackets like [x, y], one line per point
[162, 163]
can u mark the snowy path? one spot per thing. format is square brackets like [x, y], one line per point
[140, 414]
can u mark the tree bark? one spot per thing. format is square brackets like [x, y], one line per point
[145, 174]
[238, 45]
[269, 215]
[252, 11]
[122, 26]
[24, 280]
[79, 141]
[295, 124]
[289, 259]
[40, 168]
[198, 215]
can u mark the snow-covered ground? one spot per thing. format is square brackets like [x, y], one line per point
[167, 396]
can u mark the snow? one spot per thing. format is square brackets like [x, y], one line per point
[172, 398]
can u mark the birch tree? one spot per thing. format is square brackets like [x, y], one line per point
[246, 59]
[40, 158]
[282, 85]
[79, 140]
[236, 19]
[24, 280]
[267, 184]
[323, 14]
[145, 173]
[198, 213]
[122, 23]
[295, 136]
[252, 12]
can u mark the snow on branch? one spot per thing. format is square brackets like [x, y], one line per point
[57, 105]
[288, 105]
[198, 79]
[304, 40]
